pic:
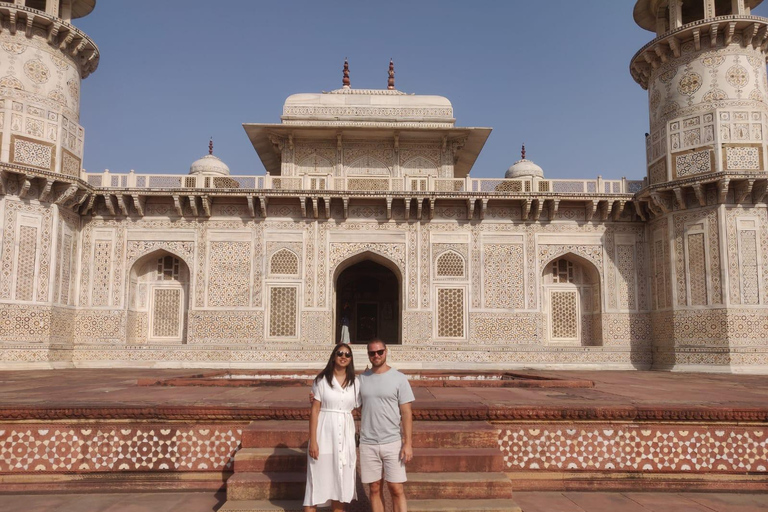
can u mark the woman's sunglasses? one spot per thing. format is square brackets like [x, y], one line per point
[372, 353]
[341, 353]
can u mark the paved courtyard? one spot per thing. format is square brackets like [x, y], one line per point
[94, 388]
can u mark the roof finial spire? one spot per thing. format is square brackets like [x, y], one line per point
[345, 80]
[391, 80]
[523, 151]
[210, 146]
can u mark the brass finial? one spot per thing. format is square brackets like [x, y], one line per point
[210, 146]
[391, 80]
[523, 151]
[345, 80]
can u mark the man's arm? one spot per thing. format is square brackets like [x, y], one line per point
[406, 452]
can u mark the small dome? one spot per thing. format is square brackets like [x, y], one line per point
[524, 168]
[209, 165]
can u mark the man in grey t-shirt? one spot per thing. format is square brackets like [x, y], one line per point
[384, 449]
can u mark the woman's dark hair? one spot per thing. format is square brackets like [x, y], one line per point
[328, 370]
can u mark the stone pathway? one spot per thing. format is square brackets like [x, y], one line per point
[528, 501]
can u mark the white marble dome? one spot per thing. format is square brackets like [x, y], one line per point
[524, 168]
[209, 165]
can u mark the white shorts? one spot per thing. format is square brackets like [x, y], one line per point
[378, 459]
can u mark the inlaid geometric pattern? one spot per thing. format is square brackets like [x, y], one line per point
[166, 320]
[102, 257]
[25, 274]
[742, 158]
[625, 254]
[695, 448]
[693, 163]
[66, 272]
[749, 276]
[26, 152]
[282, 312]
[503, 276]
[230, 271]
[450, 264]
[450, 313]
[284, 262]
[125, 447]
[564, 313]
[697, 269]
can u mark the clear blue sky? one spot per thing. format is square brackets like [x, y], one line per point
[551, 74]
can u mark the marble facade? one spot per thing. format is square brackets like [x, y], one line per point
[367, 216]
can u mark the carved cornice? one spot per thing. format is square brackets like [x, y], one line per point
[67, 37]
[754, 31]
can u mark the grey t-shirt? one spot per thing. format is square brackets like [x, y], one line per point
[382, 394]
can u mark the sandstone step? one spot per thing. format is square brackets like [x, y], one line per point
[425, 460]
[287, 460]
[458, 486]
[426, 434]
[266, 486]
[290, 486]
[413, 506]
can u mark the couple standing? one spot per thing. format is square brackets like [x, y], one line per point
[386, 397]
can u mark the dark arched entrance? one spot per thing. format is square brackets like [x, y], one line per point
[368, 301]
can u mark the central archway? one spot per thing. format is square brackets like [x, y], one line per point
[368, 301]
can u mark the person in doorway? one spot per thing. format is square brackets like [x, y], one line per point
[385, 448]
[331, 458]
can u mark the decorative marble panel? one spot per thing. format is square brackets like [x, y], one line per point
[504, 276]
[450, 313]
[697, 269]
[750, 279]
[282, 312]
[25, 266]
[102, 273]
[229, 274]
[696, 162]
[564, 311]
[166, 317]
[30, 152]
[225, 327]
[625, 265]
[505, 329]
[743, 158]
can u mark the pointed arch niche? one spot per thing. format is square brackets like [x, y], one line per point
[572, 301]
[368, 299]
[158, 299]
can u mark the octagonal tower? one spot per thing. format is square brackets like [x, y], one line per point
[706, 161]
[43, 59]
[706, 80]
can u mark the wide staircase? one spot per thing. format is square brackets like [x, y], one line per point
[457, 466]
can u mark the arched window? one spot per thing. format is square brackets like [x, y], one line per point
[450, 264]
[284, 262]
[572, 301]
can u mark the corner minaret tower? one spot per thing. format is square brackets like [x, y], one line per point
[43, 59]
[706, 80]
[706, 162]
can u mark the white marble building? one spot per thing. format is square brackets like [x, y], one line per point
[367, 216]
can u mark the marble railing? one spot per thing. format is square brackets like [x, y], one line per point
[365, 183]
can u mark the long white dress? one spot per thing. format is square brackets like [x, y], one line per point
[332, 475]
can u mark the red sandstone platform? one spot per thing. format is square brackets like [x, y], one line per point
[616, 396]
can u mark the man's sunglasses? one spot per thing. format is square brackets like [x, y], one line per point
[372, 353]
[341, 353]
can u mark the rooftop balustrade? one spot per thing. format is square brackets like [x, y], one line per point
[364, 183]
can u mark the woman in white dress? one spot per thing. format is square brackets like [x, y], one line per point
[331, 459]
